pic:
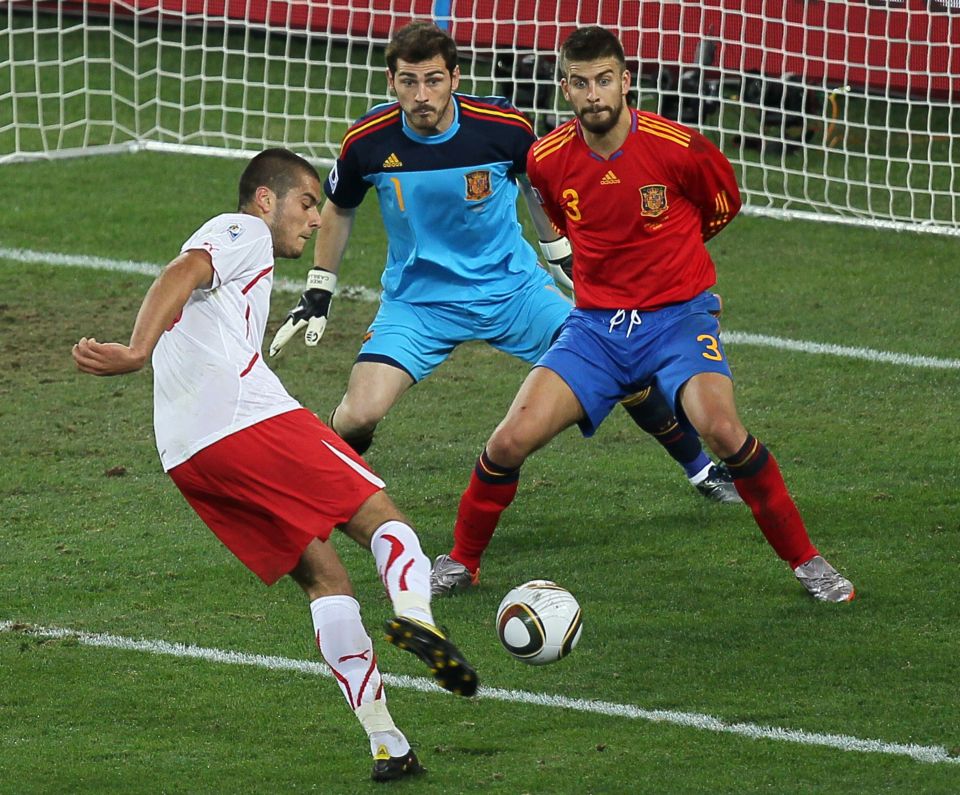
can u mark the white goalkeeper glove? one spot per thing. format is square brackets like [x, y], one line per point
[559, 257]
[311, 312]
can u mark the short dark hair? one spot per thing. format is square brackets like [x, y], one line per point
[420, 41]
[591, 44]
[277, 169]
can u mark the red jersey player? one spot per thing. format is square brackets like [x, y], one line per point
[637, 196]
[638, 220]
[263, 473]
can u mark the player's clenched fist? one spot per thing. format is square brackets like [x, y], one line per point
[106, 358]
[310, 313]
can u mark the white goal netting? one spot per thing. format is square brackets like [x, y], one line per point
[840, 111]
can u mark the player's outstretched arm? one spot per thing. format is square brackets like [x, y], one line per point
[160, 308]
[311, 312]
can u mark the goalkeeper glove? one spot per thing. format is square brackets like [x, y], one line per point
[311, 312]
[559, 257]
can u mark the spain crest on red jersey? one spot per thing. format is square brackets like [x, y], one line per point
[478, 185]
[653, 200]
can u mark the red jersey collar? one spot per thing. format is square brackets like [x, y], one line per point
[615, 155]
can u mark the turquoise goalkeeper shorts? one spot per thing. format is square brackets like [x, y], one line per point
[418, 338]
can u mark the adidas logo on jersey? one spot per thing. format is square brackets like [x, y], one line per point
[610, 179]
[392, 162]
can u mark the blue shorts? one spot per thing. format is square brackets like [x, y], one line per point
[419, 337]
[604, 355]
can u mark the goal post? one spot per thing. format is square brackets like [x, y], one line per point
[833, 110]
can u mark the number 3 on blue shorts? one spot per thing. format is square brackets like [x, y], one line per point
[712, 351]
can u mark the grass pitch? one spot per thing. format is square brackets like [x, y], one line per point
[686, 609]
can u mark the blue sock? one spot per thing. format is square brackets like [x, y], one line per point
[696, 466]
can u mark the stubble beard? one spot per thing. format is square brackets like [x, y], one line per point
[597, 126]
[423, 124]
[283, 246]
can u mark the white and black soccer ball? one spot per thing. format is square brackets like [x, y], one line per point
[539, 622]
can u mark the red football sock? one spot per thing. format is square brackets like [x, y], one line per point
[491, 490]
[759, 482]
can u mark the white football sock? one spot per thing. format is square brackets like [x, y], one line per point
[346, 648]
[379, 726]
[403, 569]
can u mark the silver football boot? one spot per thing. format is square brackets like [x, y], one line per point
[824, 582]
[718, 485]
[448, 577]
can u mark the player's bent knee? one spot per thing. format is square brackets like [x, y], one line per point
[358, 433]
[724, 436]
[347, 421]
[508, 449]
[375, 511]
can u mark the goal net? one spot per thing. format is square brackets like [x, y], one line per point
[839, 111]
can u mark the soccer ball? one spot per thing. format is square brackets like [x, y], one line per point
[539, 622]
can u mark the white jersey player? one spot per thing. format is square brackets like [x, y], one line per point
[268, 478]
[209, 378]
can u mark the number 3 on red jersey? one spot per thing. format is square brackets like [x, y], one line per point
[571, 204]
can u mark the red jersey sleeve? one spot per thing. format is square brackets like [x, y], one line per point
[553, 210]
[711, 185]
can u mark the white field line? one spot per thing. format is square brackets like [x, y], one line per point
[828, 349]
[366, 294]
[150, 269]
[932, 754]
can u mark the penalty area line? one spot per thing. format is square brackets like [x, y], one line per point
[359, 293]
[931, 754]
